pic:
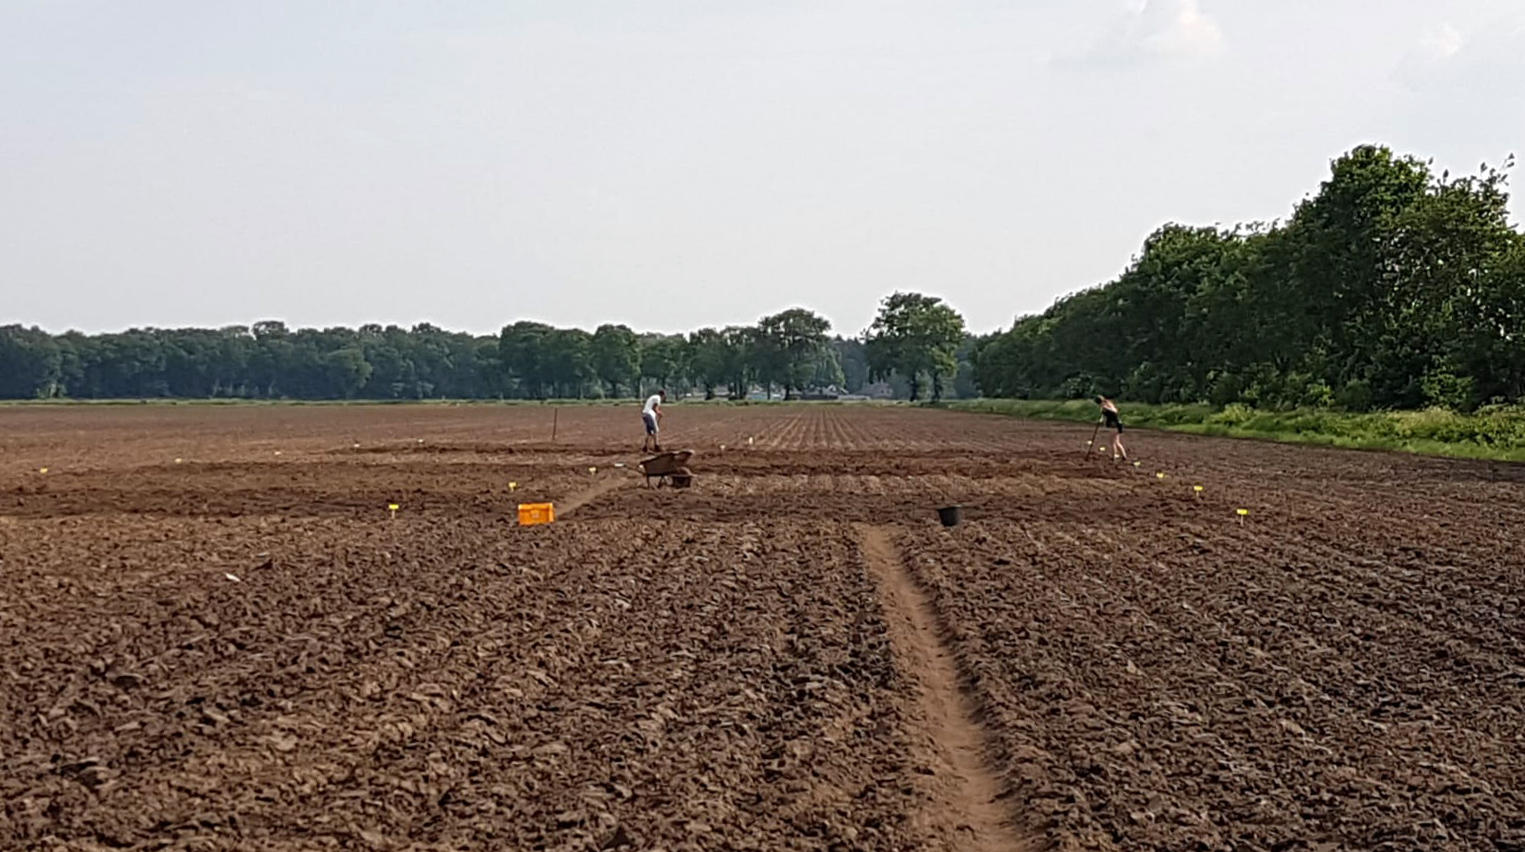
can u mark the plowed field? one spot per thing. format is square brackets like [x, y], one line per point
[215, 635]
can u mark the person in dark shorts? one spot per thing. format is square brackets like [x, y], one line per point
[651, 416]
[1112, 420]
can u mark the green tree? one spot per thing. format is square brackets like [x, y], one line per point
[788, 346]
[31, 363]
[709, 359]
[739, 343]
[272, 357]
[1389, 287]
[132, 364]
[522, 349]
[1440, 304]
[1339, 267]
[915, 335]
[964, 386]
[828, 371]
[568, 360]
[346, 371]
[664, 358]
[853, 359]
[492, 378]
[617, 357]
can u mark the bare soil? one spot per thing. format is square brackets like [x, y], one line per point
[215, 635]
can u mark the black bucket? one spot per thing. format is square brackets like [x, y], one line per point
[950, 515]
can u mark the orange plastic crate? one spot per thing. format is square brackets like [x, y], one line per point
[536, 513]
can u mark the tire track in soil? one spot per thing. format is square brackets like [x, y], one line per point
[588, 495]
[965, 809]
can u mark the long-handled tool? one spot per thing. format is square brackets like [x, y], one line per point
[1092, 443]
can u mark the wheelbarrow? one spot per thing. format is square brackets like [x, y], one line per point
[670, 468]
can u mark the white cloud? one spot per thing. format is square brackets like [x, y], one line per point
[1464, 80]
[1155, 30]
[1480, 64]
[1443, 42]
[1430, 56]
[1178, 28]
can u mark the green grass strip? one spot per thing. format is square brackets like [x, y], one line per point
[1494, 434]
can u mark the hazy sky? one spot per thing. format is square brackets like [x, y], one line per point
[677, 163]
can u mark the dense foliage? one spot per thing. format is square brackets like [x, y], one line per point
[915, 336]
[788, 353]
[1392, 287]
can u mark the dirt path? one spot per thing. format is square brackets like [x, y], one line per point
[965, 810]
[582, 498]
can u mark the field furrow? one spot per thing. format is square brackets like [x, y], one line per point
[218, 635]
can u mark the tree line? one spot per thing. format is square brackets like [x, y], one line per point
[1391, 287]
[917, 344]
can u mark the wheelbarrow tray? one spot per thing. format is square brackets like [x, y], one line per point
[668, 466]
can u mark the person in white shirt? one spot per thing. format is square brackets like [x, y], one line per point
[651, 415]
